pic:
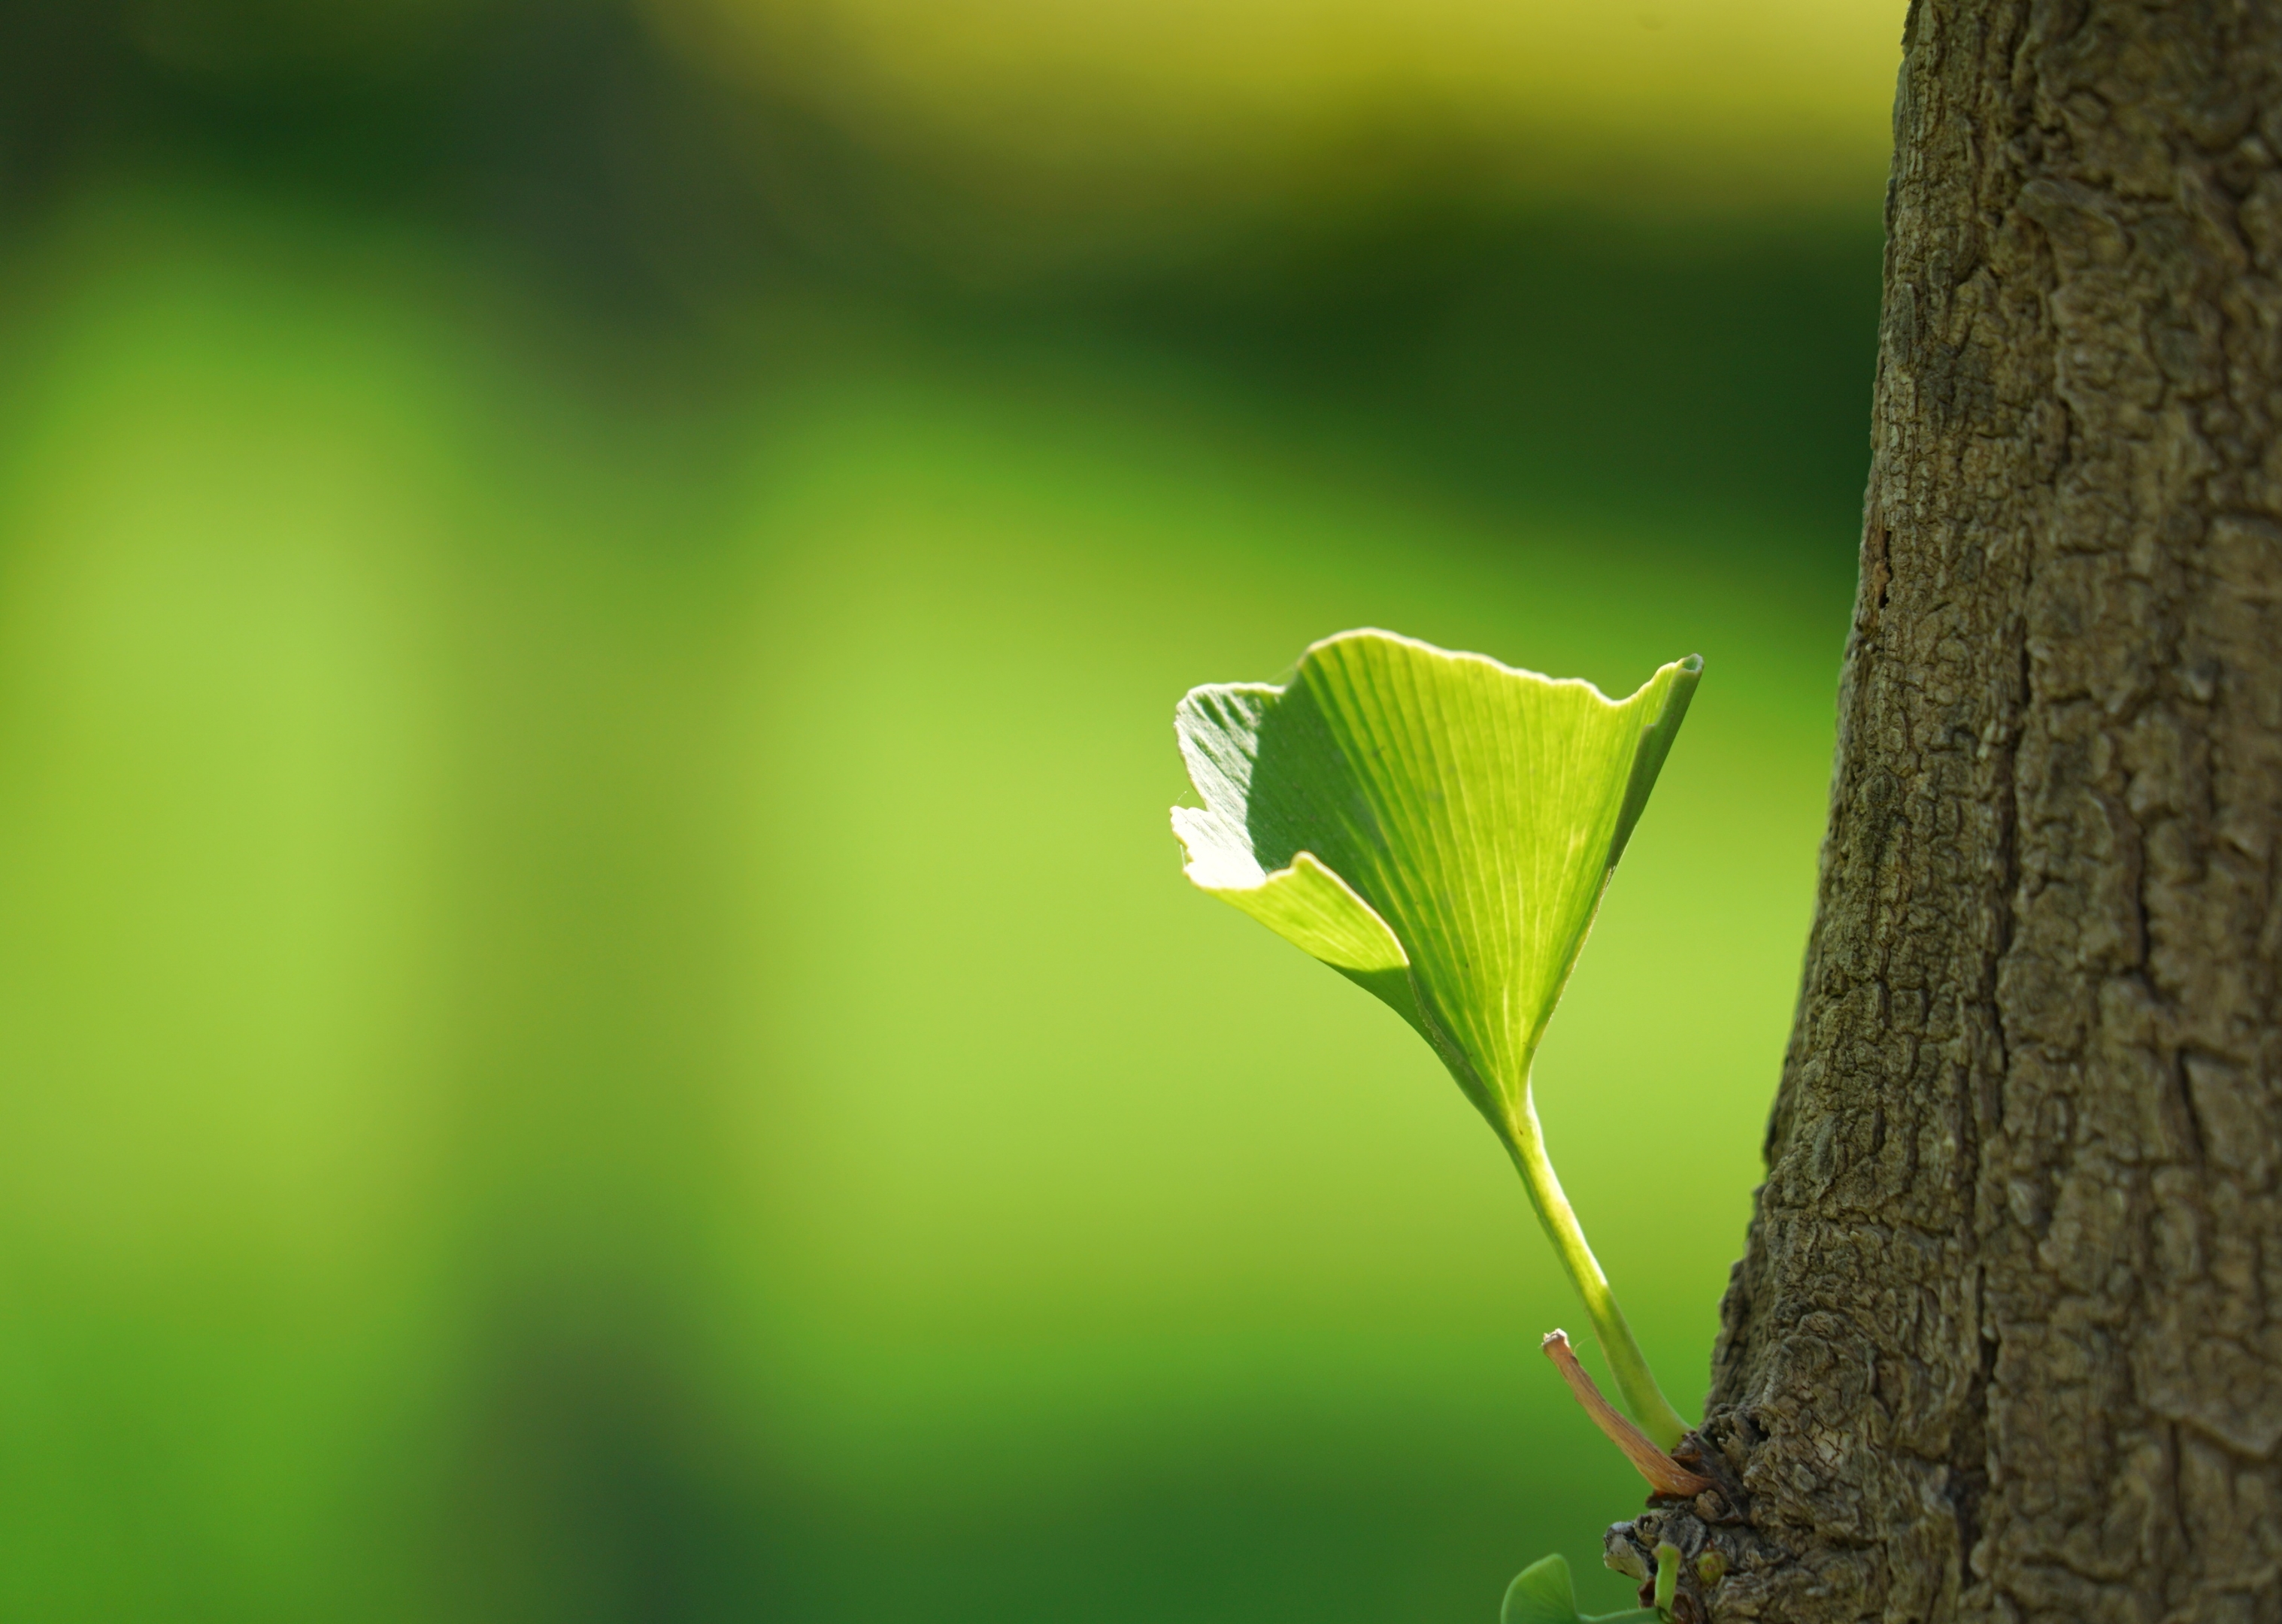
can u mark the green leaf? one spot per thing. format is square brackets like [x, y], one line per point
[1439, 828]
[1542, 1594]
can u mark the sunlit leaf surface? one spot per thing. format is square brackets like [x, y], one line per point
[1436, 827]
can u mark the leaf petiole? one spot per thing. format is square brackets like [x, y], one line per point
[1653, 1412]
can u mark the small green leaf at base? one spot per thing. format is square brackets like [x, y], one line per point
[1542, 1594]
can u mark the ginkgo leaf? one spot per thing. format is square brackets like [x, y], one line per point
[1462, 818]
[1542, 1594]
[1439, 828]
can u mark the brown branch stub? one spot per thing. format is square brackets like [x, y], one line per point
[1665, 1475]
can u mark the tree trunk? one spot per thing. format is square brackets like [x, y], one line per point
[2006, 1342]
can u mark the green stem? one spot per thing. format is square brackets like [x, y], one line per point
[1653, 1412]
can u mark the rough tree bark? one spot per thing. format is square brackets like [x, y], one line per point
[2007, 1343]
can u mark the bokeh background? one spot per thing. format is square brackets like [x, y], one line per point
[598, 1017]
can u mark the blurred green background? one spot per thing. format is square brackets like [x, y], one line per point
[598, 1016]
